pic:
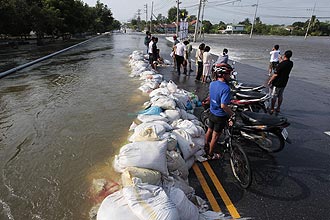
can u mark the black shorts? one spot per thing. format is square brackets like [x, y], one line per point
[217, 123]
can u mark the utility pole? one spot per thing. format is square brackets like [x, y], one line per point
[310, 21]
[146, 11]
[139, 19]
[254, 19]
[201, 27]
[177, 17]
[197, 21]
[152, 8]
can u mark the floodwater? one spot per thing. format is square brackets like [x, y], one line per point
[310, 55]
[60, 124]
[63, 120]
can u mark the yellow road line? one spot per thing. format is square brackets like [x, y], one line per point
[230, 206]
[206, 189]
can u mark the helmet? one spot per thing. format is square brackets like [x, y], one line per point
[222, 68]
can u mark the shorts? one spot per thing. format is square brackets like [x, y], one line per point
[277, 92]
[217, 123]
[273, 65]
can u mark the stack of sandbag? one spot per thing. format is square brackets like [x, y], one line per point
[165, 141]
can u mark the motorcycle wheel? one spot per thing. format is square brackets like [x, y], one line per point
[271, 142]
[259, 108]
[240, 166]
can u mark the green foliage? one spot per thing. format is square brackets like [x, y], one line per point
[54, 17]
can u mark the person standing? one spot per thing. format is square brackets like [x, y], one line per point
[199, 61]
[175, 42]
[147, 40]
[187, 55]
[179, 56]
[155, 53]
[279, 81]
[150, 51]
[224, 57]
[274, 59]
[207, 64]
[220, 112]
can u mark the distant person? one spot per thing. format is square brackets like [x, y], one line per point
[199, 61]
[175, 42]
[207, 64]
[274, 59]
[279, 81]
[147, 40]
[187, 56]
[150, 50]
[155, 53]
[224, 57]
[179, 56]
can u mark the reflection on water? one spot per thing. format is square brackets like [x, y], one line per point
[61, 121]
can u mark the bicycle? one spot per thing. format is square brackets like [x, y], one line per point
[239, 162]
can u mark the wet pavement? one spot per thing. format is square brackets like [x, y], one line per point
[291, 184]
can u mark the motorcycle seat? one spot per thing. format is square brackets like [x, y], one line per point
[256, 118]
[249, 95]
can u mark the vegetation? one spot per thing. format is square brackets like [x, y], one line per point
[54, 18]
[317, 28]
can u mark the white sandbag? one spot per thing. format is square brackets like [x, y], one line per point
[115, 206]
[210, 215]
[145, 89]
[186, 146]
[145, 154]
[147, 131]
[190, 127]
[176, 163]
[163, 102]
[191, 116]
[172, 87]
[159, 91]
[199, 141]
[150, 202]
[186, 209]
[145, 175]
[149, 118]
[172, 115]
[171, 140]
[178, 182]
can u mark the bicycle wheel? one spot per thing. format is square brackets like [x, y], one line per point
[271, 142]
[240, 166]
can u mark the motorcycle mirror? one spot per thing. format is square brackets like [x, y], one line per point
[234, 62]
[235, 73]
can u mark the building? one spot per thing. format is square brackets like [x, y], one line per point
[234, 28]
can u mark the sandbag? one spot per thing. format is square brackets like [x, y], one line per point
[186, 146]
[145, 154]
[150, 202]
[115, 206]
[148, 118]
[186, 209]
[145, 175]
[176, 163]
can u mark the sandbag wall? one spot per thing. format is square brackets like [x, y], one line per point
[166, 139]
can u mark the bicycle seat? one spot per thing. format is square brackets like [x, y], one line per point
[256, 118]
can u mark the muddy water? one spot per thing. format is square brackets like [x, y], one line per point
[60, 122]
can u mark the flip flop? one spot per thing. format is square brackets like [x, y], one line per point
[214, 156]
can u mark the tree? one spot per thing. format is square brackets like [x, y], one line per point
[207, 26]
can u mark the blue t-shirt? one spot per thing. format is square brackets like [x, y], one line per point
[219, 94]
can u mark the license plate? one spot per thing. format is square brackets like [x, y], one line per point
[285, 133]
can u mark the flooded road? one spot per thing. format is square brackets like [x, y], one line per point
[60, 123]
[62, 120]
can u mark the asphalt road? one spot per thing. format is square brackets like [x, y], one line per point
[291, 184]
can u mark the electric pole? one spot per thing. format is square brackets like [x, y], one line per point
[177, 17]
[201, 27]
[146, 11]
[254, 19]
[152, 8]
[310, 21]
[197, 21]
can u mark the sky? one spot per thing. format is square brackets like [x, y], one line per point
[228, 11]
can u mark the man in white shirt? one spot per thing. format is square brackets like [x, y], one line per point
[179, 56]
[274, 59]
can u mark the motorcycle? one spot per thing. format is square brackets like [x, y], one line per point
[266, 131]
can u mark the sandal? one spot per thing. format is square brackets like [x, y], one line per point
[213, 156]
